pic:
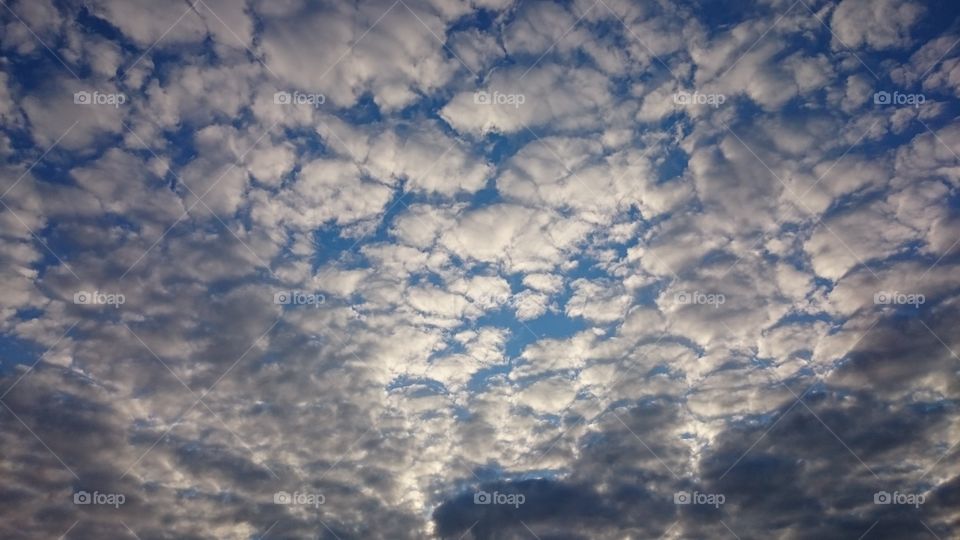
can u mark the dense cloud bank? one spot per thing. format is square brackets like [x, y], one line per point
[481, 269]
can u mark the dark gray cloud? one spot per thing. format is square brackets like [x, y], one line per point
[808, 469]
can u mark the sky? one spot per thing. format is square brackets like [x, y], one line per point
[479, 269]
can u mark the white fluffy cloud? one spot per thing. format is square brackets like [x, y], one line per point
[879, 24]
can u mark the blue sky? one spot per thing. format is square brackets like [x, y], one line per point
[479, 269]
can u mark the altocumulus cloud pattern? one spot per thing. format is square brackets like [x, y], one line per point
[479, 269]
